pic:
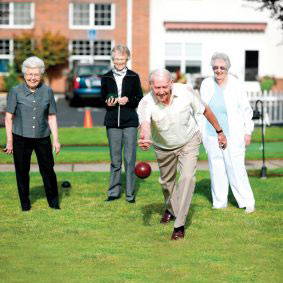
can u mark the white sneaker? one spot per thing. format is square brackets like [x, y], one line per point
[250, 209]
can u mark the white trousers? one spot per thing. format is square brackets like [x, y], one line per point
[227, 168]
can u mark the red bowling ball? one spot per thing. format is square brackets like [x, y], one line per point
[142, 170]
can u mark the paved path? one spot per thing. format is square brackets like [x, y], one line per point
[105, 167]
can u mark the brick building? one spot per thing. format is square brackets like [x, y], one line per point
[92, 27]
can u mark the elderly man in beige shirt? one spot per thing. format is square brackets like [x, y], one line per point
[167, 117]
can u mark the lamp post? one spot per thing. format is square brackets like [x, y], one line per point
[257, 115]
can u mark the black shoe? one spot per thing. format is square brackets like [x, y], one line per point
[111, 198]
[131, 201]
[26, 209]
[55, 207]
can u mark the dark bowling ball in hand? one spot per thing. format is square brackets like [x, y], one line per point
[142, 170]
[66, 184]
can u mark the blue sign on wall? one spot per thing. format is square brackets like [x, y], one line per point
[91, 34]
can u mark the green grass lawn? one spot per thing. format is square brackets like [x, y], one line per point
[90, 240]
[97, 135]
[81, 145]
[94, 154]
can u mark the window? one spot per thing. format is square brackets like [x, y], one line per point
[102, 15]
[81, 14]
[16, 15]
[22, 13]
[5, 55]
[91, 51]
[4, 13]
[173, 49]
[193, 67]
[185, 57]
[8, 48]
[193, 58]
[90, 16]
[81, 47]
[102, 47]
[251, 65]
[173, 66]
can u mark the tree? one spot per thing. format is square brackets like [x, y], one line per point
[23, 48]
[274, 6]
[51, 48]
[11, 79]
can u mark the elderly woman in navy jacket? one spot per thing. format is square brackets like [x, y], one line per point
[121, 92]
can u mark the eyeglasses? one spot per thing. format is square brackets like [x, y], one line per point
[32, 75]
[120, 59]
[222, 68]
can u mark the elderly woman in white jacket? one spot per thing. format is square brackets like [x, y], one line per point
[227, 99]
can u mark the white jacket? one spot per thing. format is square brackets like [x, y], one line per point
[239, 111]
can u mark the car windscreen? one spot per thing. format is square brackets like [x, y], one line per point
[92, 70]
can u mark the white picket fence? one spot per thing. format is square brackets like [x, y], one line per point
[272, 104]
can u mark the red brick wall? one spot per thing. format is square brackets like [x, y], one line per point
[279, 85]
[140, 52]
[53, 15]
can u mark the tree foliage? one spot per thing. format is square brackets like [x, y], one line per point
[23, 48]
[52, 48]
[274, 6]
[11, 79]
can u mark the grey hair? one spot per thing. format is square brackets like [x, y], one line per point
[159, 73]
[122, 49]
[33, 62]
[222, 56]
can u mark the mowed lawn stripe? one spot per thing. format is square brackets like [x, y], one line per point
[92, 154]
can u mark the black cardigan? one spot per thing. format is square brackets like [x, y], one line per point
[131, 87]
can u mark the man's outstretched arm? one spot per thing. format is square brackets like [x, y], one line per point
[213, 121]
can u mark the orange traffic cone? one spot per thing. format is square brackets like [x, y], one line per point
[87, 119]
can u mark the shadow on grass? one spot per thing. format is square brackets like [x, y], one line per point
[257, 173]
[149, 210]
[190, 216]
[38, 192]
[158, 208]
[203, 188]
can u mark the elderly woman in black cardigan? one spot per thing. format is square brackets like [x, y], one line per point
[121, 92]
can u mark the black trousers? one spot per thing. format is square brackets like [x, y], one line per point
[22, 151]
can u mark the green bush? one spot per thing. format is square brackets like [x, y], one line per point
[11, 79]
[266, 83]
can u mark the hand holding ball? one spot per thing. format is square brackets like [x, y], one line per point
[142, 170]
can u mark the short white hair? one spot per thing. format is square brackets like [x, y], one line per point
[121, 49]
[32, 63]
[160, 72]
[222, 56]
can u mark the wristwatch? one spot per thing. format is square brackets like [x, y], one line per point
[220, 131]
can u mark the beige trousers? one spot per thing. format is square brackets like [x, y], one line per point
[178, 195]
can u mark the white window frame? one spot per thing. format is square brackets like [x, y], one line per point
[182, 58]
[10, 56]
[91, 18]
[11, 17]
[87, 58]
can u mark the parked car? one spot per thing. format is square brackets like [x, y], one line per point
[84, 82]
